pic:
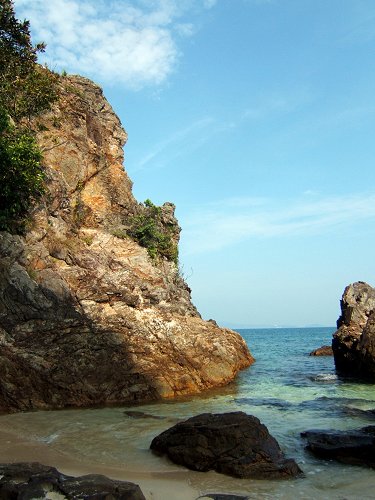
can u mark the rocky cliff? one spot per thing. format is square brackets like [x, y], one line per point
[354, 341]
[87, 316]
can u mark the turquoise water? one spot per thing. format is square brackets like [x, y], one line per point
[286, 389]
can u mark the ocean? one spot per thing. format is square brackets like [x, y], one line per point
[288, 390]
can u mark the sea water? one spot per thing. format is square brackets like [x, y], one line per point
[288, 390]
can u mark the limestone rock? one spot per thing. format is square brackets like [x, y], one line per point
[231, 443]
[34, 480]
[86, 316]
[355, 447]
[354, 341]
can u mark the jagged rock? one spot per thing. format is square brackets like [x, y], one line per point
[354, 341]
[231, 443]
[356, 447]
[325, 350]
[34, 480]
[86, 316]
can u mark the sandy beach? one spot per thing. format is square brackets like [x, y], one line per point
[155, 486]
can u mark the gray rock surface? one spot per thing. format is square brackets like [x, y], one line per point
[235, 443]
[354, 341]
[27, 481]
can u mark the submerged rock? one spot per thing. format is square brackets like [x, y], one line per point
[235, 443]
[87, 316]
[354, 341]
[34, 480]
[356, 447]
[325, 350]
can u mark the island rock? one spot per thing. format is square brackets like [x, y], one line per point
[354, 341]
[325, 350]
[88, 316]
[235, 443]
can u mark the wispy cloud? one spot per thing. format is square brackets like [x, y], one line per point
[214, 227]
[133, 43]
[188, 139]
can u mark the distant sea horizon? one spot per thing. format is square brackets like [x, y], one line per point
[240, 326]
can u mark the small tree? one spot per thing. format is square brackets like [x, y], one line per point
[26, 90]
[21, 174]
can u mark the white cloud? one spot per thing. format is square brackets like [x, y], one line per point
[132, 43]
[230, 222]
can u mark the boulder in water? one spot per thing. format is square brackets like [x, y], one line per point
[235, 443]
[325, 350]
[356, 447]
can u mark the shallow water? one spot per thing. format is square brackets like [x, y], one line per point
[286, 389]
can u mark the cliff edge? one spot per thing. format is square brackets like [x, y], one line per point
[87, 315]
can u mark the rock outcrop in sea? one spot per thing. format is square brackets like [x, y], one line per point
[234, 443]
[356, 447]
[87, 315]
[353, 343]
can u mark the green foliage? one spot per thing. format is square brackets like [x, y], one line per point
[21, 174]
[148, 230]
[26, 90]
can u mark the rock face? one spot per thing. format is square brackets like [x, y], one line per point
[34, 480]
[86, 315]
[235, 443]
[356, 447]
[325, 350]
[354, 341]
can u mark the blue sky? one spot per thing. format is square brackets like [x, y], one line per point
[257, 119]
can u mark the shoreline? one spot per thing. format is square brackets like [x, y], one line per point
[154, 485]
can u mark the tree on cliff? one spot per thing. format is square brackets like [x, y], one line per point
[26, 90]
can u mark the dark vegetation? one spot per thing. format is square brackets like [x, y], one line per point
[26, 90]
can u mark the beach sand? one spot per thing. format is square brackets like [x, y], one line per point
[155, 486]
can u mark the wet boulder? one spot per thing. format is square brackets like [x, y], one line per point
[235, 443]
[34, 480]
[356, 447]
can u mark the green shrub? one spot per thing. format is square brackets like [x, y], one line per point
[21, 174]
[148, 230]
[26, 90]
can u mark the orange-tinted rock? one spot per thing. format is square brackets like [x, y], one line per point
[86, 316]
[354, 341]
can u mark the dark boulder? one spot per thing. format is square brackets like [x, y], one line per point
[325, 350]
[353, 343]
[33, 480]
[231, 443]
[356, 447]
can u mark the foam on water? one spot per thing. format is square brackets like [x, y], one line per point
[286, 389]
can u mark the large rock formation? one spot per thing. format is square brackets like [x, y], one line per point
[231, 443]
[354, 341]
[86, 315]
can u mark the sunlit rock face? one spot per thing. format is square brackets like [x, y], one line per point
[87, 317]
[354, 342]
